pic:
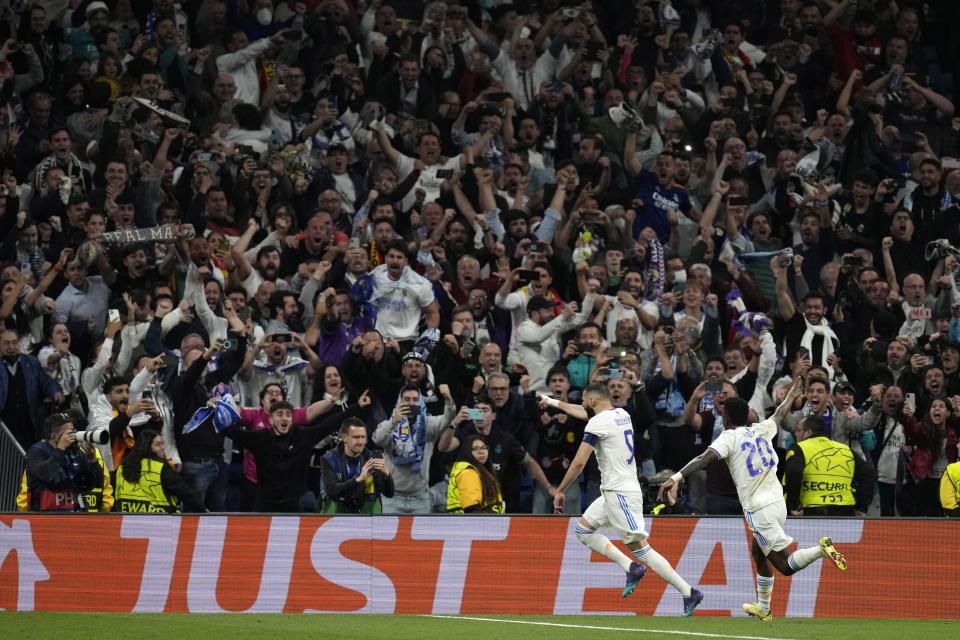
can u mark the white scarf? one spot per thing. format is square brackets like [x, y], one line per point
[913, 327]
[829, 338]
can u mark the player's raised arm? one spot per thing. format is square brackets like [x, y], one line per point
[572, 410]
[787, 405]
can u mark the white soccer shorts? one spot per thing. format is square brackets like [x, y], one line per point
[621, 512]
[767, 526]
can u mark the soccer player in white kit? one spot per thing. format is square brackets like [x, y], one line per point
[748, 452]
[609, 434]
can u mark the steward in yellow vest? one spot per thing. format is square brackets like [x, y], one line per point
[146, 495]
[473, 488]
[824, 477]
[147, 484]
[950, 489]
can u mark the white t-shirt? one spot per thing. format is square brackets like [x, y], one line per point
[620, 311]
[748, 452]
[890, 455]
[400, 304]
[254, 280]
[611, 434]
[428, 180]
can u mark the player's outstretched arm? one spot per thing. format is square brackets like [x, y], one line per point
[572, 410]
[673, 482]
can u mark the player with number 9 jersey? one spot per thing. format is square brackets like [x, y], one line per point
[748, 452]
[610, 433]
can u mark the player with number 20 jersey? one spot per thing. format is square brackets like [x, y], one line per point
[747, 448]
[748, 452]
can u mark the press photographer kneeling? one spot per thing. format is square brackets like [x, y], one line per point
[61, 469]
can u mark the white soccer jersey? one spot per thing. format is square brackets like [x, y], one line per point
[610, 433]
[748, 451]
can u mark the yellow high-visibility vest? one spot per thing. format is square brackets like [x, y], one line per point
[146, 495]
[471, 492]
[827, 473]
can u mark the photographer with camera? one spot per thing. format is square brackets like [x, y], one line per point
[354, 477]
[60, 469]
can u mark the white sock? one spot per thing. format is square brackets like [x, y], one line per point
[802, 558]
[764, 590]
[659, 565]
[602, 545]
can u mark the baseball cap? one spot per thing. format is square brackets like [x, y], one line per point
[536, 303]
[844, 387]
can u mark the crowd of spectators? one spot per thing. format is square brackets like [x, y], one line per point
[371, 233]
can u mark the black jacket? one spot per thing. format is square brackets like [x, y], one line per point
[189, 393]
[339, 479]
[283, 460]
[389, 94]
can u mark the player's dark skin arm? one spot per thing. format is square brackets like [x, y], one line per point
[708, 456]
[702, 461]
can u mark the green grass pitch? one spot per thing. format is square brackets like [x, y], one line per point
[36, 626]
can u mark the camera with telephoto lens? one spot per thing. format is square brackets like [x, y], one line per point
[94, 436]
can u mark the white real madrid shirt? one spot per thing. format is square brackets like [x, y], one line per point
[610, 433]
[428, 180]
[400, 304]
[748, 452]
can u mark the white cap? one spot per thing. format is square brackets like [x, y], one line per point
[96, 6]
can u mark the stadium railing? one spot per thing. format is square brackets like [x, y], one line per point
[13, 460]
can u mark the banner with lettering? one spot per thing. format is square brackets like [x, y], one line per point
[453, 565]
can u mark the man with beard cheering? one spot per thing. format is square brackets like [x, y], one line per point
[265, 269]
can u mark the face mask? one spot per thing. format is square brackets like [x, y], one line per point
[679, 277]
[264, 16]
